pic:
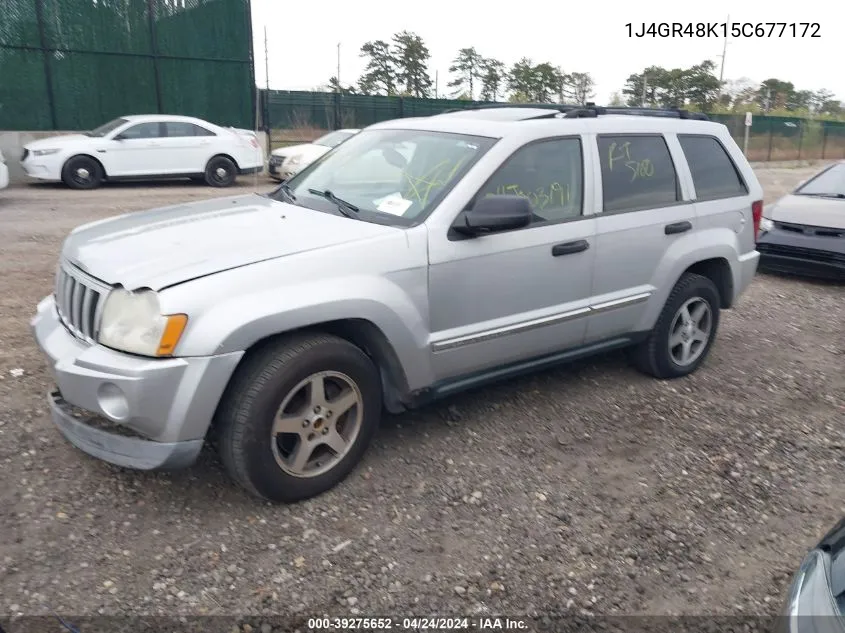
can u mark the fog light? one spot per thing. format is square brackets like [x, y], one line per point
[113, 402]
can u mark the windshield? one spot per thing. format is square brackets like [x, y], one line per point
[830, 182]
[108, 127]
[332, 139]
[390, 176]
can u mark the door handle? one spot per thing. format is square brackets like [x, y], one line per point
[677, 227]
[569, 248]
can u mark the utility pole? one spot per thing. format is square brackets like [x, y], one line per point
[724, 52]
[436, 83]
[338, 66]
[266, 62]
[645, 85]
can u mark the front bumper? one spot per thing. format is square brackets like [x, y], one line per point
[151, 413]
[795, 254]
[44, 167]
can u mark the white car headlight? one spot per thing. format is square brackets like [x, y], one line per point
[294, 160]
[132, 322]
[766, 225]
[44, 152]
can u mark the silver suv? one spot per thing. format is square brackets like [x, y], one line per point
[420, 257]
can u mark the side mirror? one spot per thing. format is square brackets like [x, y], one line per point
[119, 137]
[495, 213]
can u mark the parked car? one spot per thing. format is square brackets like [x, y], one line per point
[815, 601]
[466, 251]
[142, 147]
[287, 161]
[804, 232]
[4, 172]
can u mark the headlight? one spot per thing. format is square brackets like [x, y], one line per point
[294, 160]
[44, 152]
[132, 322]
[766, 225]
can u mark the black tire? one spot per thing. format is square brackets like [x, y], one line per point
[653, 356]
[245, 418]
[220, 172]
[82, 172]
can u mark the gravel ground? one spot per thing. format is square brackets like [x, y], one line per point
[587, 488]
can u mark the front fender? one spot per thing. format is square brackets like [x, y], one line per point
[715, 243]
[237, 323]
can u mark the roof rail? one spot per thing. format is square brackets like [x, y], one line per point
[674, 113]
[589, 110]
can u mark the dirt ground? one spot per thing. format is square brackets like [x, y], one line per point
[586, 488]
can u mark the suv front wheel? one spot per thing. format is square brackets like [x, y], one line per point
[685, 330]
[299, 416]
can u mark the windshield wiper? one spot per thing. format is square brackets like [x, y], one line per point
[346, 208]
[285, 189]
[824, 195]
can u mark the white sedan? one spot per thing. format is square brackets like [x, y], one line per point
[287, 161]
[4, 172]
[142, 147]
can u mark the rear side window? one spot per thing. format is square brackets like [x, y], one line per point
[637, 173]
[180, 128]
[714, 174]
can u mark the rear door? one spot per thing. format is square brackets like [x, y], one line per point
[188, 147]
[643, 210]
[722, 198]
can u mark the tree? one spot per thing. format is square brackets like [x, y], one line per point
[774, 94]
[468, 67]
[521, 80]
[335, 86]
[380, 75]
[616, 99]
[492, 79]
[547, 82]
[581, 87]
[411, 56]
[656, 86]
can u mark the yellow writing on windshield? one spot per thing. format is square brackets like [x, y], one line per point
[421, 187]
[622, 153]
[556, 195]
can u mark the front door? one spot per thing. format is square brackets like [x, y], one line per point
[514, 295]
[136, 151]
[643, 212]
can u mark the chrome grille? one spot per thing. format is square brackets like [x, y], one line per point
[79, 301]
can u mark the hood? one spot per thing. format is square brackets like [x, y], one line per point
[306, 150]
[162, 247]
[54, 142]
[809, 210]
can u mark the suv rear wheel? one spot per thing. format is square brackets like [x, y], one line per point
[685, 330]
[299, 416]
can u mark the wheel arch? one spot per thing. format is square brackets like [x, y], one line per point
[367, 337]
[222, 155]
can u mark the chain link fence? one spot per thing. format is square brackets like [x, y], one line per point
[300, 116]
[75, 64]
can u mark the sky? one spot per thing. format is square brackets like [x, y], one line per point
[303, 38]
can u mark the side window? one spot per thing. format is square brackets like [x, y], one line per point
[714, 174]
[182, 129]
[549, 174]
[637, 173]
[142, 130]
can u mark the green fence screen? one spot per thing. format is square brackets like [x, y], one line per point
[302, 115]
[75, 64]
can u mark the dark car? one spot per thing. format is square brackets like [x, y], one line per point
[804, 232]
[816, 599]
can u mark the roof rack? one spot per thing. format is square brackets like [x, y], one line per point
[589, 110]
[592, 111]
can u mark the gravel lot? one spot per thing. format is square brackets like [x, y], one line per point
[589, 487]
